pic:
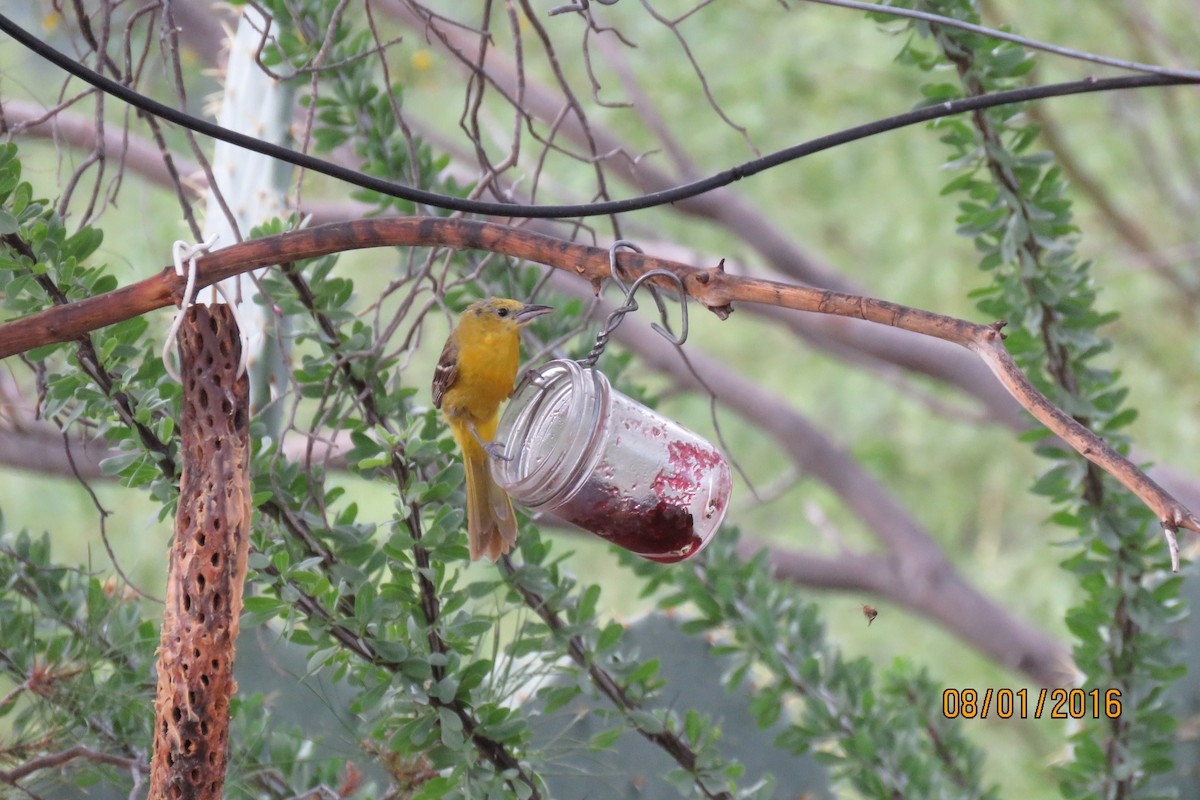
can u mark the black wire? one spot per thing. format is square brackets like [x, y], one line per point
[673, 195]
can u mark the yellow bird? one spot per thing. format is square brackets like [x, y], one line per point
[473, 377]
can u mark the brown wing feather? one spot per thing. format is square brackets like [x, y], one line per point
[446, 372]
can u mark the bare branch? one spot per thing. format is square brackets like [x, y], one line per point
[714, 288]
[51, 760]
[992, 33]
[139, 155]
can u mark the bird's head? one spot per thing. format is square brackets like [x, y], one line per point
[504, 310]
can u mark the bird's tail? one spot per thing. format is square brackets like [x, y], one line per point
[491, 523]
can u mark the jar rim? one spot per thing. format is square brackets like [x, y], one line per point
[549, 473]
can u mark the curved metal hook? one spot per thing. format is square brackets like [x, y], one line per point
[630, 304]
[662, 330]
[614, 270]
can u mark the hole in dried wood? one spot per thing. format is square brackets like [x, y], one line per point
[208, 420]
[176, 714]
[216, 378]
[212, 759]
[212, 323]
[239, 419]
[189, 747]
[200, 539]
[216, 664]
[204, 722]
[217, 444]
[215, 561]
[216, 602]
[187, 602]
[200, 581]
[195, 775]
[204, 682]
[203, 398]
[223, 346]
[202, 618]
[226, 407]
[191, 698]
[195, 652]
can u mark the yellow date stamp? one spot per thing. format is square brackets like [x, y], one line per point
[1026, 704]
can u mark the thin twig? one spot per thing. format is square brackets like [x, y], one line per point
[673, 26]
[1032, 44]
[104, 514]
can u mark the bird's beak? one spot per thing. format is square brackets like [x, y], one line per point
[527, 314]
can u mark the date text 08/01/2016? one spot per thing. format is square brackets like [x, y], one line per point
[1022, 704]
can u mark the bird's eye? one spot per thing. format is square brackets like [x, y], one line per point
[502, 312]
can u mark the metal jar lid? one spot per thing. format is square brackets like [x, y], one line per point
[551, 431]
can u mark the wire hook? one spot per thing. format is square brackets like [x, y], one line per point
[613, 270]
[181, 251]
[630, 304]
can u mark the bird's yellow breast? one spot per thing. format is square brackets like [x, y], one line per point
[488, 356]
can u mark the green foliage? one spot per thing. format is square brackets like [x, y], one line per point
[1015, 209]
[78, 653]
[885, 735]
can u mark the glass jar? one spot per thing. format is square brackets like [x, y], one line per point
[576, 447]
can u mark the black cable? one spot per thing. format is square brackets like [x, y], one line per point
[673, 195]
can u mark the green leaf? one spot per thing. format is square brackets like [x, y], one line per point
[586, 608]
[555, 697]
[609, 636]
[646, 722]
[115, 465]
[605, 739]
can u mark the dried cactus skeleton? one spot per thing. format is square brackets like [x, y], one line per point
[207, 563]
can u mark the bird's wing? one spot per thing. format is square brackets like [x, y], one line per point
[446, 372]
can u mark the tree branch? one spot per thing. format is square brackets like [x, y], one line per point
[714, 288]
[51, 760]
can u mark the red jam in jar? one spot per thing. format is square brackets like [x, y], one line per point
[576, 447]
